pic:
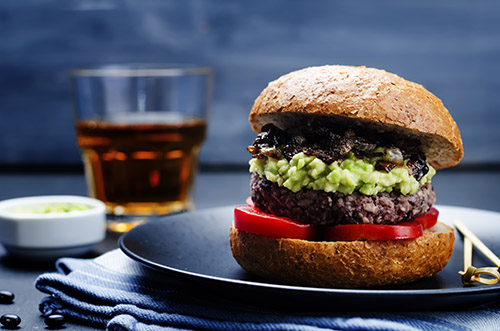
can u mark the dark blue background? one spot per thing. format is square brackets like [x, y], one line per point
[451, 47]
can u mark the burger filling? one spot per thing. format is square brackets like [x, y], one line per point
[352, 179]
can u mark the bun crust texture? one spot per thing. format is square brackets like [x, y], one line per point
[364, 97]
[344, 264]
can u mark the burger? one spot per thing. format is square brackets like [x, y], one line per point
[341, 192]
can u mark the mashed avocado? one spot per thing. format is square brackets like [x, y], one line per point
[51, 208]
[345, 176]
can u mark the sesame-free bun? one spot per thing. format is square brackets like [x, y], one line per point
[362, 97]
[344, 264]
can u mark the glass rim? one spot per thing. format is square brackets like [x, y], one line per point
[141, 69]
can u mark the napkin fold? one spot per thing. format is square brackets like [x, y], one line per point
[114, 292]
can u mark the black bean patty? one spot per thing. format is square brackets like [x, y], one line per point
[324, 208]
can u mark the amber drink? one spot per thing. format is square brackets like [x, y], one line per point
[141, 169]
[140, 161]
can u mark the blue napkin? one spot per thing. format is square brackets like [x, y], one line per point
[114, 292]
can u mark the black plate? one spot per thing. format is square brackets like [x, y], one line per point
[194, 246]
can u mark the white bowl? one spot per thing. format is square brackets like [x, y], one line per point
[28, 233]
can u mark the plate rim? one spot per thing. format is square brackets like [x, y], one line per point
[304, 289]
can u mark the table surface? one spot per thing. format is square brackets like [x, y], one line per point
[466, 188]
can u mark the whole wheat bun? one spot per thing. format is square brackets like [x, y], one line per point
[363, 97]
[344, 264]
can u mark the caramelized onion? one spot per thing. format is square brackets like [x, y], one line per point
[394, 155]
[386, 166]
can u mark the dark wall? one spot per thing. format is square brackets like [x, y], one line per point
[451, 47]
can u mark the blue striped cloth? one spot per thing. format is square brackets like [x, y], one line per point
[116, 293]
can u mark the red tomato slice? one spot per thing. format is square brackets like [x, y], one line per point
[351, 232]
[406, 230]
[428, 219]
[251, 219]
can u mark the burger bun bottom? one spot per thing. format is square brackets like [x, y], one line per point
[344, 264]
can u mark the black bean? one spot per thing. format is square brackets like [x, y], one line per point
[10, 321]
[55, 321]
[6, 297]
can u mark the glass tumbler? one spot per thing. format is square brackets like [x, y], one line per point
[140, 129]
